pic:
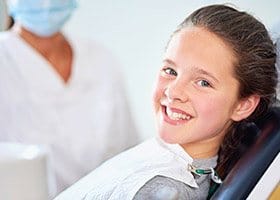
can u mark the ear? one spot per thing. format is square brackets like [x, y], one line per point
[245, 107]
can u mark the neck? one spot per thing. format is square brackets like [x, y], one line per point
[55, 49]
[204, 149]
[45, 45]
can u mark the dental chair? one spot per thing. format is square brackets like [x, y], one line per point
[259, 165]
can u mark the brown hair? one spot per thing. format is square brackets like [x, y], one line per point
[255, 68]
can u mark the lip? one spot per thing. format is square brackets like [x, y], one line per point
[171, 121]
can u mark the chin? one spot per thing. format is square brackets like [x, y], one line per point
[168, 138]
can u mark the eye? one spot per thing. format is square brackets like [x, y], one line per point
[203, 83]
[170, 71]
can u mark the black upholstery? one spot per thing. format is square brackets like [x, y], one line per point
[248, 170]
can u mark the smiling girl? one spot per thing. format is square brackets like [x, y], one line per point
[218, 72]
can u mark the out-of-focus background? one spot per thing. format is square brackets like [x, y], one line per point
[136, 31]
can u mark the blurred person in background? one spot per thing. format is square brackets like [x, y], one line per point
[60, 91]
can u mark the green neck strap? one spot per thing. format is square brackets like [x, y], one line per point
[211, 171]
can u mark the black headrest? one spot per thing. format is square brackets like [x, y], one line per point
[248, 170]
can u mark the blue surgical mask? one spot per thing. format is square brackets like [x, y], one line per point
[42, 17]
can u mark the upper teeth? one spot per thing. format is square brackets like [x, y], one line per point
[176, 116]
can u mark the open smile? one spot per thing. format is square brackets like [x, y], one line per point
[175, 116]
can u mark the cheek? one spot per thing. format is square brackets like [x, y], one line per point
[215, 108]
[158, 92]
[205, 108]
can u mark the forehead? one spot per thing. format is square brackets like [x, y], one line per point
[199, 47]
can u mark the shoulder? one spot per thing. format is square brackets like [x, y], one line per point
[7, 38]
[8, 51]
[4, 35]
[165, 188]
[6, 41]
[161, 187]
[9, 43]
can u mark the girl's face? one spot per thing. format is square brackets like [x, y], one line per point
[196, 93]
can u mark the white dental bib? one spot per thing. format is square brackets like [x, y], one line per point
[122, 176]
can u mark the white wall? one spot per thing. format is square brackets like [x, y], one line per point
[137, 31]
[3, 15]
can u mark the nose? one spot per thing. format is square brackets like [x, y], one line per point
[176, 92]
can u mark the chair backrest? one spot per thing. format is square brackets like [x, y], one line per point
[249, 169]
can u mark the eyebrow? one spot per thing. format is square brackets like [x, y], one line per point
[202, 71]
[169, 62]
[197, 70]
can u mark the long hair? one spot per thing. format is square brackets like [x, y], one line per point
[255, 67]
